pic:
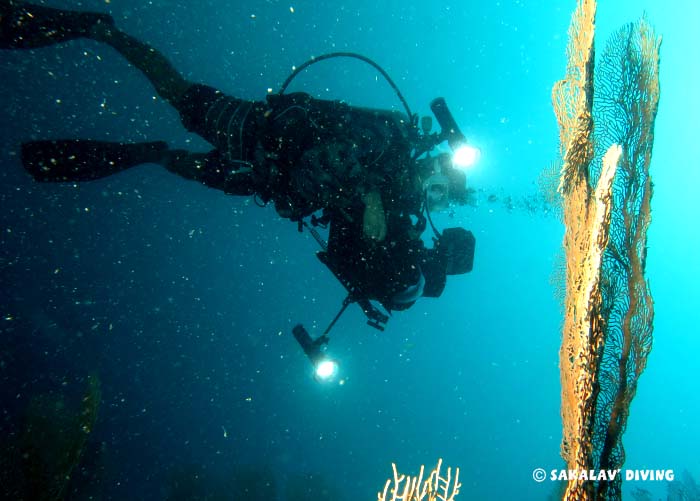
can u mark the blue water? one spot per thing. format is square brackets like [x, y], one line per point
[182, 299]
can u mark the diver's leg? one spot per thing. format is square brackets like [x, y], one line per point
[27, 26]
[210, 170]
[203, 110]
[168, 82]
[84, 160]
[77, 160]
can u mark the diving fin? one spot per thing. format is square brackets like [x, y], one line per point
[85, 160]
[28, 26]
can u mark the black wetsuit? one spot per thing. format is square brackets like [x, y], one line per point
[306, 155]
[303, 153]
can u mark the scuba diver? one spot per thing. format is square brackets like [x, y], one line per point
[366, 175]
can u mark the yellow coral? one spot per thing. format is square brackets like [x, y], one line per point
[434, 488]
[606, 193]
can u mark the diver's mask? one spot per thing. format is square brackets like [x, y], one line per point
[446, 184]
[437, 190]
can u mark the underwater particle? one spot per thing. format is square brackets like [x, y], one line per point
[291, 9]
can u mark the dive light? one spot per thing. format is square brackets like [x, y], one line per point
[463, 155]
[324, 367]
[450, 129]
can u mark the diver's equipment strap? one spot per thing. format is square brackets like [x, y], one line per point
[84, 160]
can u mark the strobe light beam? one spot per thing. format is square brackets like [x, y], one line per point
[325, 368]
[463, 155]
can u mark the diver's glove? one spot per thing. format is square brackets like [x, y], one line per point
[374, 220]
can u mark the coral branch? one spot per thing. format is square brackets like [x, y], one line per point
[606, 140]
[434, 488]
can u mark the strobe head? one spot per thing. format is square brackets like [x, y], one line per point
[463, 155]
[325, 368]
